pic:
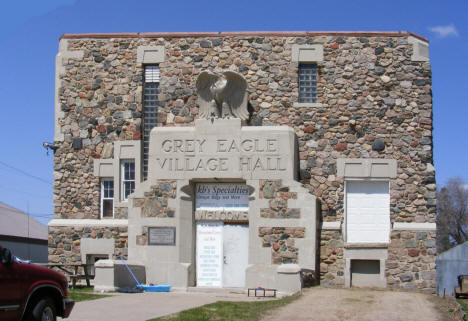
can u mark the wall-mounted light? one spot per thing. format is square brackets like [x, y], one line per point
[50, 146]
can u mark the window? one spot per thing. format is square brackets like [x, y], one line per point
[150, 110]
[107, 197]
[367, 206]
[128, 178]
[308, 83]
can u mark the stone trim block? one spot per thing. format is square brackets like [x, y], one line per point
[380, 255]
[150, 54]
[288, 278]
[96, 246]
[420, 49]
[103, 168]
[222, 215]
[398, 226]
[366, 168]
[307, 105]
[88, 222]
[331, 225]
[307, 53]
[241, 34]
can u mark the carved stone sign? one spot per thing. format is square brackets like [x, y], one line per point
[161, 235]
[222, 148]
[224, 216]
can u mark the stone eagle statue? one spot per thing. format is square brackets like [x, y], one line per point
[222, 95]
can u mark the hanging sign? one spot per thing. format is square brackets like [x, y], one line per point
[222, 196]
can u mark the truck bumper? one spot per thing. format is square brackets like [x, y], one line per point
[67, 307]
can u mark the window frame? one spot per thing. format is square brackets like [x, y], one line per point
[149, 121]
[103, 198]
[124, 180]
[315, 83]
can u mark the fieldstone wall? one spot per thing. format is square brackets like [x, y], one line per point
[374, 101]
[278, 196]
[64, 242]
[332, 263]
[281, 241]
[121, 212]
[411, 261]
[155, 203]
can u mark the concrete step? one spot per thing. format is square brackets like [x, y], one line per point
[195, 289]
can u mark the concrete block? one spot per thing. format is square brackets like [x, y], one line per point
[288, 278]
[112, 275]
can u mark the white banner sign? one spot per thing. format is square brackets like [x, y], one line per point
[222, 196]
[209, 254]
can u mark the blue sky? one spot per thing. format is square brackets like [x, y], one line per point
[29, 39]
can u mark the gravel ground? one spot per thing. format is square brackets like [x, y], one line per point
[326, 304]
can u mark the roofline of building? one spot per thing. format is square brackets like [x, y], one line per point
[243, 33]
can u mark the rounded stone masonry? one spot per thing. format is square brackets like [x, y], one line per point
[378, 145]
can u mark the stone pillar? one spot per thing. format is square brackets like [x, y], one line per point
[104, 275]
[288, 278]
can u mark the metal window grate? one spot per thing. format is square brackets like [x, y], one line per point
[308, 83]
[150, 111]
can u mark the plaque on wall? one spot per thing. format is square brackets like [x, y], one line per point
[161, 235]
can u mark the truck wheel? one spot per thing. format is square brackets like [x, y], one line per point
[42, 310]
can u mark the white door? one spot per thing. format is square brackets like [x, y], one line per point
[367, 212]
[209, 254]
[236, 256]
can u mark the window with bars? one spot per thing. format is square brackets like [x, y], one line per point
[308, 75]
[128, 178]
[107, 197]
[150, 110]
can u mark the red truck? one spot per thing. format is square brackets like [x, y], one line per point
[30, 292]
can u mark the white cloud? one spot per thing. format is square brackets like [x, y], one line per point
[445, 31]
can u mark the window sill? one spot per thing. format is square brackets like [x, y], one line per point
[307, 105]
[366, 245]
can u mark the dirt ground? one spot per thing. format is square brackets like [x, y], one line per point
[325, 304]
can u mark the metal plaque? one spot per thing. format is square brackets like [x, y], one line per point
[161, 235]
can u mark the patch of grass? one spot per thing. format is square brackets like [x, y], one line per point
[464, 304]
[85, 294]
[82, 289]
[229, 311]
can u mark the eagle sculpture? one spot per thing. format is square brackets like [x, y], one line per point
[222, 95]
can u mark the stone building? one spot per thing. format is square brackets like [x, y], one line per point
[331, 174]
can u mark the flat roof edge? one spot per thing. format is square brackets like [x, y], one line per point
[243, 33]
